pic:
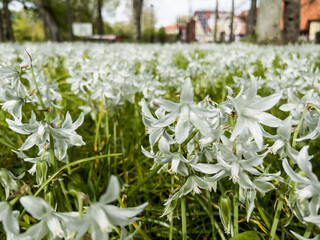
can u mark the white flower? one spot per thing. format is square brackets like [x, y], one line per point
[250, 109]
[101, 216]
[9, 220]
[50, 221]
[164, 156]
[308, 186]
[148, 119]
[7, 181]
[14, 97]
[63, 136]
[188, 112]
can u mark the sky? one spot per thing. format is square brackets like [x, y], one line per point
[167, 11]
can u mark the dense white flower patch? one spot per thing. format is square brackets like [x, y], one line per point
[236, 107]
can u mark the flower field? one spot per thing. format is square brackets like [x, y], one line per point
[175, 141]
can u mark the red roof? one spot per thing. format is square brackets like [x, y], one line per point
[171, 29]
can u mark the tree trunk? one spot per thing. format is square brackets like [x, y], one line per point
[268, 22]
[45, 29]
[69, 19]
[49, 20]
[231, 25]
[291, 20]
[99, 20]
[250, 21]
[1, 28]
[216, 21]
[152, 24]
[137, 12]
[7, 23]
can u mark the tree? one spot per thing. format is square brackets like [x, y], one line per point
[49, 21]
[109, 6]
[99, 19]
[7, 31]
[162, 36]
[268, 22]
[1, 28]
[291, 20]
[250, 21]
[148, 22]
[216, 21]
[231, 24]
[69, 19]
[137, 12]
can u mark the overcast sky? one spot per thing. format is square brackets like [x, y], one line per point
[167, 11]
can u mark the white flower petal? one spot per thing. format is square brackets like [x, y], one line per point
[238, 129]
[183, 126]
[37, 207]
[255, 130]
[266, 103]
[113, 191]
[200, 124]
[186, 95]
[167, 105]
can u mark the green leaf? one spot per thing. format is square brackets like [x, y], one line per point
[247, 235]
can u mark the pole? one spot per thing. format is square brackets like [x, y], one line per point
[216, 21]
[231, 25]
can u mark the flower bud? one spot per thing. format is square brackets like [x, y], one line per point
[7, 181]
[41, 169]
[225, 209]
[50, 198]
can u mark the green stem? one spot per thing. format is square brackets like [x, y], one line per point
[115, 143]
[13, 201]
[65, 193]
[108, 144]
[190, 137]
[102, 167]
[295, 135]
[98, 127]
[277, 215]
[184, 218]
[68, 169]
[51, 152]
[80, 205]
[151, 174]
[262, 214]
[171, 222]
[36, 86]
[209, 212]
[236, 210]
[308, 231]
[213, 221]
[90, 172]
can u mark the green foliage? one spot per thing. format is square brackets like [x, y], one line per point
[162, 36]
[180, 60]
[247, 235]
[107, 28]
[123, 30]
[27, 27]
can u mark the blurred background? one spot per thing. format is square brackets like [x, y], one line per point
[151, 21]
